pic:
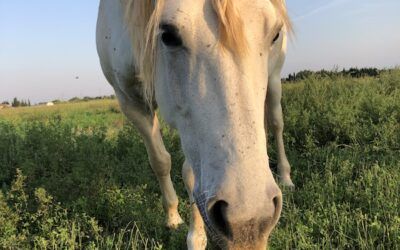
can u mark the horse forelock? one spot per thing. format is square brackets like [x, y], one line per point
[280, 7]
[142, 18]
[231, 26]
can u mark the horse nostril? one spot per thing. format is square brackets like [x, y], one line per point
[276, 202]
[219, 219]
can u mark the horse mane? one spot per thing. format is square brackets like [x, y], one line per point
[142, 18]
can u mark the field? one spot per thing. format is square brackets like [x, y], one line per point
[76, 175]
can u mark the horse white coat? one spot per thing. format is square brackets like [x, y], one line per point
[217, 101]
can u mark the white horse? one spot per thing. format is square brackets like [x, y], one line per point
[208, 65]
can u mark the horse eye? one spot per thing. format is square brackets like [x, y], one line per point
[276, 38]
[170, 35]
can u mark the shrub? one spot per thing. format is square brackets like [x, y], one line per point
[44, 224]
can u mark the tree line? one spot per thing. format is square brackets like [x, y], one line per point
[27, 103]
[17, 103]
[351, 72]
[88, 98]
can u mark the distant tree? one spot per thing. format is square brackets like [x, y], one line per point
[304, 74]
[15, 102]
[74, 99]
[5, 103]
[291, 77]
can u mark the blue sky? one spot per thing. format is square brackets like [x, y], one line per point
[45, 44]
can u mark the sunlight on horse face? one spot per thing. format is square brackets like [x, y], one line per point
[215, 98]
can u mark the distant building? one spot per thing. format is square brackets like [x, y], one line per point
[49, 104]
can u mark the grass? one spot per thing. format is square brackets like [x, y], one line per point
[83, 179]
[94, 113]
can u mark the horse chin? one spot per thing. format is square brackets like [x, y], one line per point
[240, 244]
[248, 246]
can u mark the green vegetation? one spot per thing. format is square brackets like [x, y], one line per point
[352, 72]
[77, 176]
